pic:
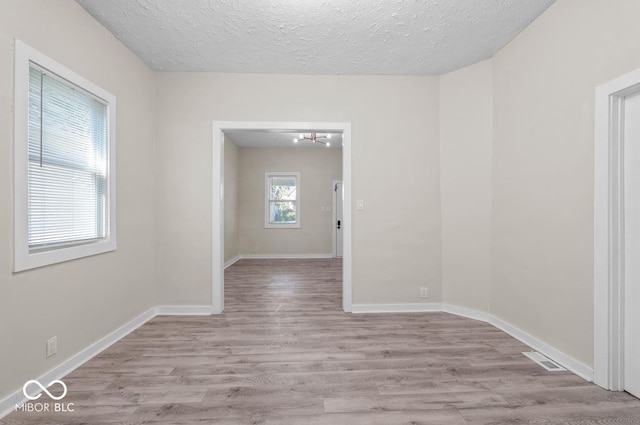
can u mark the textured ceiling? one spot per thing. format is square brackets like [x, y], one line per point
[407, 37]
[272, 139]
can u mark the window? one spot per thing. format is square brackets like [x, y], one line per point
[64, 144]
[282, 200]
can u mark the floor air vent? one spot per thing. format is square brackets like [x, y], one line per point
[544, 361]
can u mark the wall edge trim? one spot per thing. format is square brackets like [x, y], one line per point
[564, 360]
[7, 405]
[398, 308]
[281, 256]
[568, 362]
[232, 261]
[184, 310]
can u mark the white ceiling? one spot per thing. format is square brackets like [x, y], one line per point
[403, 37]
[279, 139]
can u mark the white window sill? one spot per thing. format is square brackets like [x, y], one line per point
[30, 260]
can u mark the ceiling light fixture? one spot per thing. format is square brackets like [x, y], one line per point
[314, 138]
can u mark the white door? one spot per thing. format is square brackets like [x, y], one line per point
[338, 223]
[632, 245]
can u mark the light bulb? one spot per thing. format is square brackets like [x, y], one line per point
[302, 136]
[329, 136]
[295, 140]
[328, 144]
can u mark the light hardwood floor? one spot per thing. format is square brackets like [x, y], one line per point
[284, 353]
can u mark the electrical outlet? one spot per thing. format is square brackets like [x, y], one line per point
[423, 292]
[256, 249]
[52, 346]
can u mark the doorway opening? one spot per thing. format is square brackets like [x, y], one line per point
[617, 235]
[218, 225]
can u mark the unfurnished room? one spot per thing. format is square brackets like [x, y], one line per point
[286, 212]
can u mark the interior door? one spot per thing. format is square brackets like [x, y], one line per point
[632, 244]
[339, 224]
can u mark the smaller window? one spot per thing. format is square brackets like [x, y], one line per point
[282, 200]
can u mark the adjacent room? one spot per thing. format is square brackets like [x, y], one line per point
[273, 183]
[336, 212]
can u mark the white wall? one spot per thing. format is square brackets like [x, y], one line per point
[542, 239]
[535, 97]
[79, 301]
[466, 136]
[318, 168]
[231, 183]
[396, 239]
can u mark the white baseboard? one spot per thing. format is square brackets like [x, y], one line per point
[232, 261]
[7, 405]
[274, 256]
[554, 354]
[267, 256]
[466, 312]
[397, 308]
[184, 310]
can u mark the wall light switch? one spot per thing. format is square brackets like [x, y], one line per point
[360, 204]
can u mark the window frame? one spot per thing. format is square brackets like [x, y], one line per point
[267, 199]
[24, 257]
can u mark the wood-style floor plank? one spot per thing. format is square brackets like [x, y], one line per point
[284, 353]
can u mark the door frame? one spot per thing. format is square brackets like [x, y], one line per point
[217, 248]
[608, 362]
[335, 216]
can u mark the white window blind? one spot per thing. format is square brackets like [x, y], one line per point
[68, 154]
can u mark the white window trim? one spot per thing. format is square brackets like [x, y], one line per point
[23, 258]
[267, 224]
